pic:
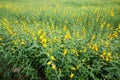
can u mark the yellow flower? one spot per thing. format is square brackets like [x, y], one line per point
[49, 63]
[107, 44]
[41, 37]
[102, 25]
[43, 41]
[65, 52]
[73, 68]
[109, 55]
[72, 75]
[75, 52]
[44, 45]
[54, 39]
[53, 58]
[96, 47]
[23, 43]
[39, 32]
[68, 36]
[102, 56]
[106, 59]
[14, 42]
[93, 37]
[65, 28]
[53, 67]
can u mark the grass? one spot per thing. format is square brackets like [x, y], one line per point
[59, 40]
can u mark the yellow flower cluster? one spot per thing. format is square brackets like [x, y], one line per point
[94, 47]
[42, 38]
[106, 56]
[53, 65]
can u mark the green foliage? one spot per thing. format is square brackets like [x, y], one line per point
[59, 40]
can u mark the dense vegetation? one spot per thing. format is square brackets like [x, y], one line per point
[59, 40]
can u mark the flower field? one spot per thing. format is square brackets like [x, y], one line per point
[59, 40]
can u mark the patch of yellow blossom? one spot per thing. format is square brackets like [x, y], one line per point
[72, 75]
[52, 58]
[65, 52]
[102, 25]
[22, 42]
[67, 36]
[49, 63]
[53, 67]
[75, 52]
[73, 68]
[106, 56]
[94, 47]
[65, 28]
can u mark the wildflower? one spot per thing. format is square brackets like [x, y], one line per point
[65, 28]
[107, 44]
[102, 56]
[14, 42]
[96, 47]
[72, 75]
[93, 37]
[73, 68]
[41, 37]
[109, 55]
[68, 36]
[44, 45]
[43, 41]
[49, 63]
[65, 52]
[106, 59]
[39, 32]
[53, 67]
[102, 25]
[54, 39]
[75, 52]
[23, 43]
[53, 58]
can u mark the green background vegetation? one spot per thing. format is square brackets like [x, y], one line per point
[59, 40]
